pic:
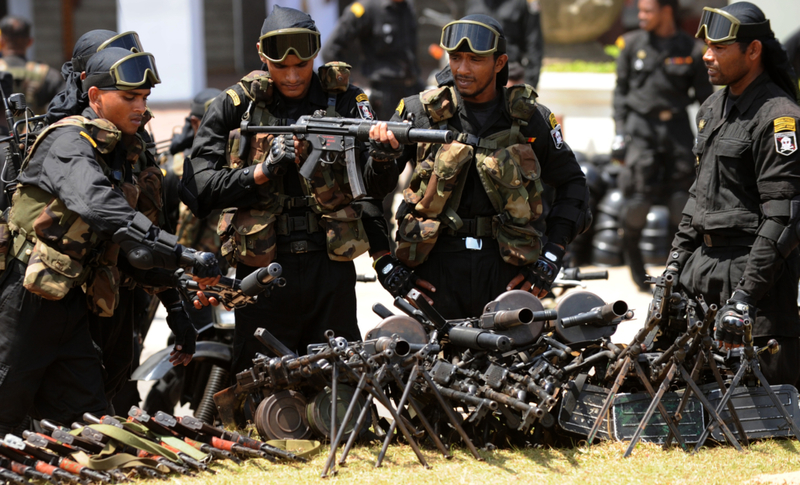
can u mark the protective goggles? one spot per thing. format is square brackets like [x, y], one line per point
[130, 72]
[126, 40]
[482, 39]
[279, 44]
[719, 27]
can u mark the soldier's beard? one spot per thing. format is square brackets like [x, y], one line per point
[475, 90]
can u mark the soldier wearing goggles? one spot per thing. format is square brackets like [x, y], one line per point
[482, 231]
[737, 242]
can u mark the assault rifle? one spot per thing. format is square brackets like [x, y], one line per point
[332, 136]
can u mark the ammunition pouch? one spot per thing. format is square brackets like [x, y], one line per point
[102, 286]
[334, 77]
[150, 201]
[346, 238]
[50, 273]
[247, 236]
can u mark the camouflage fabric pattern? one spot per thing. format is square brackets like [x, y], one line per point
[50, 273]
[345, 235]
[521, 101]
[28, 79]
[197, 233]
[440, 103]
[416, 236]
[257, 86]
[102, 286]
[519, 245]
[150, 201]
[511, 178]
[5, 241]
[330, 187]
[247, 236]
[63, 230]
[334, 76]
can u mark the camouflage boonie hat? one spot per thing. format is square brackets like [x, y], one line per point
[440, 103]
[334, 76]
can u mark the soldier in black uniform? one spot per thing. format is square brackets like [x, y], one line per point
[281, 215]
[39, 82]
[792, 45]
[467, 221]
[521, 21]
[737, 241]
[659, 73]
[386, 33]
[72, 214]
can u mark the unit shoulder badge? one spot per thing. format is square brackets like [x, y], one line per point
[785, 136]
[558, 138]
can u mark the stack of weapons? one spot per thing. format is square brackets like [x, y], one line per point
[518, 375]
[107, 449]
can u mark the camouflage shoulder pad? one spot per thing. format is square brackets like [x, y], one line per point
[521, 101]
[104, 133]
[257, 86]
[334, 76]
[440, 103]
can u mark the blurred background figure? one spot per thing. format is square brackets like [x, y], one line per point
[660, 71]
[38, 82]
[792, 46]
[379, 39]
[523, 30]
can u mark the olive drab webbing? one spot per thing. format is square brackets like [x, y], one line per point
[249, 235]
[509, 172]
[28, 79]
[60, 250]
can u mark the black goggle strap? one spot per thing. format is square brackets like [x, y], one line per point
[277, 45]
[126, 40]
[130, 72]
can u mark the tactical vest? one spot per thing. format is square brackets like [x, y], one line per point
[509, 172]
[59, 248]
[249, 235]
[28, 79]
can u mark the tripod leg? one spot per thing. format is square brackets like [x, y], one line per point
[359, 424]
[777, 402]
[449, 411]
[655, 404]
[400, 404]
[724, 402]
[711, 411]
[422, 418]
[610, 399]
[731, 408]
[350, 408]
[698, 364]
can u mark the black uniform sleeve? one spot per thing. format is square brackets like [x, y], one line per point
[71, 173]
[206, 183]
[778, 178]
[622, 87]
[702, 87]
[534, 46]
[344, 42]
[561, 171]
[375, 225]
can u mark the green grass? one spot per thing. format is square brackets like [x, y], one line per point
[581, 66]
[600, 464]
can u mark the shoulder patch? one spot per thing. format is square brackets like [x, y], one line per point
[235, 97]
[558, 138]
[400, 107]
[357, 9]
[362, 97]
[365, 110]
[620, 43]
[786, 123]
[553, 122]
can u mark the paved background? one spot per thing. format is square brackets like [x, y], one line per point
[169, 119]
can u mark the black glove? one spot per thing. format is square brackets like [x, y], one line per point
[543, 272]
[203, 264]
[729, 325]
[397, 278]
[181, 325]
[383, 152]
[281, 155]
[619, 148]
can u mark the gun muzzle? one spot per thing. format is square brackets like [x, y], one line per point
[478, 339]
[259, 280]
[597, 316]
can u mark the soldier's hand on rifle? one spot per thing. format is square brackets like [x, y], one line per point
[538, 277]
[398, 279]
[185, 334]
[731, 318]
[201, 300]
[282, 154]
[383, 146]
[205, 268]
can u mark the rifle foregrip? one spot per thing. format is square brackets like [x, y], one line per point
[420, 135]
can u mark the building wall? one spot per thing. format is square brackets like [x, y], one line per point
[218, 24]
